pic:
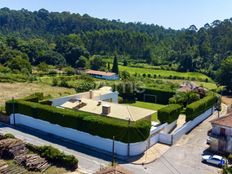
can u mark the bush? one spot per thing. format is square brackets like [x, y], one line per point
[8, 135]
[34, 97]
[169, 113]
[195, 109]
[85, 86]
[86, 122]
[155, 95]
[55, 156]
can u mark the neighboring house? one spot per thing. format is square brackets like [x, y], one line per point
[221, 134]
[190, 86]
[102, 75]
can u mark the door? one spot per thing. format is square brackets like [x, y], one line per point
[221, 145]
[222, 131]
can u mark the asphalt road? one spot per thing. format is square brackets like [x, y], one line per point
[185, 156]
[89, 161]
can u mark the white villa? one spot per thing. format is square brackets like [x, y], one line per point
[103, 102]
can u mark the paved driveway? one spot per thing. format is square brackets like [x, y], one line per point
[185, 156]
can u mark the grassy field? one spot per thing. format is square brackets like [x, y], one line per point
[19, 90]
[164, 73]
[146, 105]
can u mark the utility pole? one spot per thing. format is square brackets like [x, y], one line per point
[128, 145]
[113, 157]
[13, 101]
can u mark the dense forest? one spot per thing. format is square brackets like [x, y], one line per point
[71, 39]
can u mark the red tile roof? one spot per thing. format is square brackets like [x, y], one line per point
[101, 73]
[223, 121]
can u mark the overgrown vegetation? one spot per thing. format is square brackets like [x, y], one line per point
[55, 156]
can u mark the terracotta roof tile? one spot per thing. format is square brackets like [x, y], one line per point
[224, 121]
[102, 73]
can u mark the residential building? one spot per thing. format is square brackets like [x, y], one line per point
[109, 109]
[221, 134]
[104, 102]
[103, 94]
[102, 75]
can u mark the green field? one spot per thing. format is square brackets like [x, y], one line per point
[165, 73]
[146, 105]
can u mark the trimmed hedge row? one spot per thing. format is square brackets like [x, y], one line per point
[169, 113]
[162, 96]
[195, 109]
[55, 156]
[87, 122]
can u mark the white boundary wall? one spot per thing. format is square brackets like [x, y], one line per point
[121, 149]
[191, 124]
[175, 136]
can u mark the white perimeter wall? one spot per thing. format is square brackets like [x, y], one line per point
[175, 136]
[190, 125]
[104, 144]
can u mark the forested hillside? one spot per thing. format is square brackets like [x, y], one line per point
[71, 39]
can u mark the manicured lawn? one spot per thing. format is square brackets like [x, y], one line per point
[164, 73]
[152, 106]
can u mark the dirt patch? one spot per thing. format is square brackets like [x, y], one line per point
[19, 90]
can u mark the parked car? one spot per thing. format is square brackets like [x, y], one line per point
[214, 159]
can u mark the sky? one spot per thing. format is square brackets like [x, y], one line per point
[176, 14]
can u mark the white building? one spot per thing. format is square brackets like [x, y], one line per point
[103, 75]
[221, 134]
[103, 94]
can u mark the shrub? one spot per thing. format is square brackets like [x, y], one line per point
[195, 109]
[54, 82]
[87, 122]
[169, 113]
[184, 98]
[34, 97]
[55, 156]
[8, 135]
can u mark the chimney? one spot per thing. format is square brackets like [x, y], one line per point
[106, 109]
[99, 102]
[91, 94]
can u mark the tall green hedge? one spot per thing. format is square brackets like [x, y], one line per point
[195, 109]
[102, 126]
[169, 113]
[162, 96]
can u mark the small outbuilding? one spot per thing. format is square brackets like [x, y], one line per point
[103, 75]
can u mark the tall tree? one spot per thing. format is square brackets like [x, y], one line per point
[115, 65]
[225, 73]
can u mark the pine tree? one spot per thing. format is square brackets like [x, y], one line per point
[115, 65]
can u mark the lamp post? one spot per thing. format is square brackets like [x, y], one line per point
[112, 164]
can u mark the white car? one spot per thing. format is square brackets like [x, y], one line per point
[214, 159]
